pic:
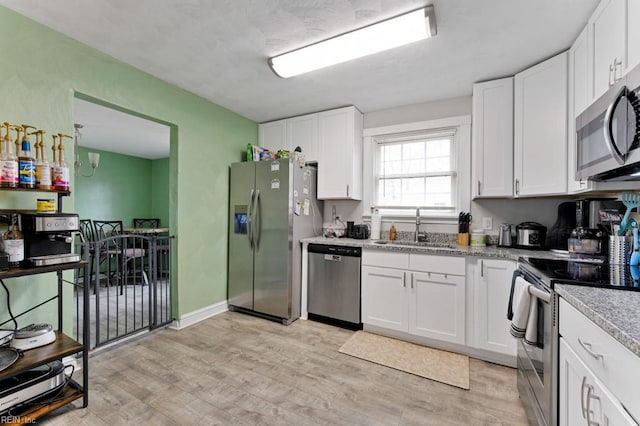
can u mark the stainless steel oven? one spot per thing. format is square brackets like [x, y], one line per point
[537, 364]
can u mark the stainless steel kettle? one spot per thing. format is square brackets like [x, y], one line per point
[505, 239]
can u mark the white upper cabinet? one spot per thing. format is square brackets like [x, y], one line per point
[290, 133]
[540, 128]
[579, 99]
[607, 29]
[340, 154]
[272, 135]
[303, 132]
[633, 33]
[492, 142]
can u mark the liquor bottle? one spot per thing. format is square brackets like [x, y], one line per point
[8, 160]
[13, 243]
[26, 162]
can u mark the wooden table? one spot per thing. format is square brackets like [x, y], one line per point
[146, 231]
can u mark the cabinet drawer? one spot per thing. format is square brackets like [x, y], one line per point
[385, 259]
[613, 364]
[438, 264]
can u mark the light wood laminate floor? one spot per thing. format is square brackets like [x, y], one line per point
[237, 369]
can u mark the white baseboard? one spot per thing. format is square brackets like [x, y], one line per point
[202, 314]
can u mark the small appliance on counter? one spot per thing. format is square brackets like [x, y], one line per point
[558, 235]
[530, 235]
[587, 241]
[33, 336]
[48, 238]
[31, 385]
[360, 232]
[505, 239]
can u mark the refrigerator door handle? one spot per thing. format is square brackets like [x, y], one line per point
[257, 211]
[250, 219]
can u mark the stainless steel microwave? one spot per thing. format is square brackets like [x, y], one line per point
[608, 136]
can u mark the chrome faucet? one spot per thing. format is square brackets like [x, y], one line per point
[420, 236]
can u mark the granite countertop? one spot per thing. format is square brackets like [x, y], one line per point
[442, 248]
[616, 311]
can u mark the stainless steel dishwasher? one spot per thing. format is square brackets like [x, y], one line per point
[334, 285]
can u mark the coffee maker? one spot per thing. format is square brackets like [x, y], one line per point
[587, 238]
[48, 238]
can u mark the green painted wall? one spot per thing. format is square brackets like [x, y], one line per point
[38, 86]
[160, 190]
[120, 189]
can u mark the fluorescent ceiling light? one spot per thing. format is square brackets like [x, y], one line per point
[404, 29]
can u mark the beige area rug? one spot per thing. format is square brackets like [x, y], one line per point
[442, 366]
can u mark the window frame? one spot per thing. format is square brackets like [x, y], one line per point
[408, 137]
[460, 157]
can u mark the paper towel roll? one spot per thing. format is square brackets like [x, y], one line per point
[375, 226]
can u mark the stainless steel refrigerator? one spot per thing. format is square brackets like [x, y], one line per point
[272, 205]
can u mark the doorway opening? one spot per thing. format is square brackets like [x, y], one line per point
[122, 181]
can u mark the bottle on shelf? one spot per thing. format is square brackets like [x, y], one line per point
[26, 161]
[13, 243]
[18, 130]
[8, 160]
[60, 169]
[43, 169]
[393, 233]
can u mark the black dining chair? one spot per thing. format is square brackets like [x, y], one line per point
[151, 222]
[87, 235]
[114, 251]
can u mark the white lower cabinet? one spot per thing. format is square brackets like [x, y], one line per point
[598, 376]
[583, 398]
[418, 302]
[385, 298]
[491, 289]
[437, 306]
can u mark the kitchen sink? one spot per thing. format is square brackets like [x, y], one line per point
[433, 244]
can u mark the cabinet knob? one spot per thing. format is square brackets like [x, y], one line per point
[479, 187]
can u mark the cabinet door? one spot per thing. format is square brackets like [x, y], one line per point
[384, 298]
[491, 297]
[303, 132]
[340, 154]
[633, 34]
[579, 100]
[493, 138]
[608, 34]
[540, 128]
[583, 398]
[273, 135]
[437, 306]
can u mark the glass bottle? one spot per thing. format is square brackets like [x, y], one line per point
[43, 169]
[26, 162]
[60, 170]
[8, 161]
[13, 243]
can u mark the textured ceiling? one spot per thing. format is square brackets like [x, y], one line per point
[218, 49]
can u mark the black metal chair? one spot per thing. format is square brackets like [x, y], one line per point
[152, 222]
[87, 235]
[113, 249]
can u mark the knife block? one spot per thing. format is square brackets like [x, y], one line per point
[463, 239]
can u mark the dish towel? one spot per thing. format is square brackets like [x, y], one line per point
[531, 335]
[519, 306]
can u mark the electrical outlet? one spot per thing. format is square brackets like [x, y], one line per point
[487, 223]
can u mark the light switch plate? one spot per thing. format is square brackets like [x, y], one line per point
[487, 223]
